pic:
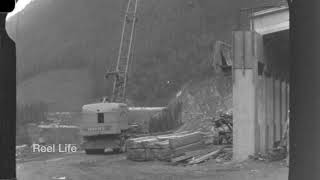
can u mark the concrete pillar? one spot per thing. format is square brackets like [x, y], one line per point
[284, 109]
[243, 113]
[245, 119]
[261, 114]
[277, 109]
[288, 108]
[269, 112]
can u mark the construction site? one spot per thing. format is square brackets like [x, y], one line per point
[140, 114]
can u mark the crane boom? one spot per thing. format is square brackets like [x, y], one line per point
[120, 74]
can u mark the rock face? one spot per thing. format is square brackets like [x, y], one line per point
[203, 99]
[174, 40]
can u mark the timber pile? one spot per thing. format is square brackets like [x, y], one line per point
[163, 147]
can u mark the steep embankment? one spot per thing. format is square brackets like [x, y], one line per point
[173, 42]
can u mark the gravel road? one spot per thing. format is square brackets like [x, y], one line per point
[79, 166]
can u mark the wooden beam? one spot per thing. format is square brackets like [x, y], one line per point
[206, 156]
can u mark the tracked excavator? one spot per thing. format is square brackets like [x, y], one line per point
[104, 125]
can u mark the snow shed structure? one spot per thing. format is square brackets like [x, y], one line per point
[260, 82]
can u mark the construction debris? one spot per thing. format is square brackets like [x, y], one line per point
[194, 157]
[163, 147]
[205, 157]
[185, 146]
[279, 150]
[224, 126]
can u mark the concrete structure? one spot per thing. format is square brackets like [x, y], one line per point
[260, 82]
[271, 20]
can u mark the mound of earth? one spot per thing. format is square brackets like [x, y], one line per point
[203, 99]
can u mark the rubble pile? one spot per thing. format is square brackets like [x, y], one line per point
[224, 126]
[218, 130]
[202, 99]
[225, 155]
[163, 147]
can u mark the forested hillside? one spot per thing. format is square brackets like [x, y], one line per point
[81, 38]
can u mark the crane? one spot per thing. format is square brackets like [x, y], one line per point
[120, 75]
[106, 125]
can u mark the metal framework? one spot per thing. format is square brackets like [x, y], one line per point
[125, 54]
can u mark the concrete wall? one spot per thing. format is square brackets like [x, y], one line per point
[260, 92]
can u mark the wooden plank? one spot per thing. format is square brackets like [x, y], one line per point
[206, 156]
[184, 157]
[152, 141]
[162, 154]
[174, 135]
[190, 147]
[159, 145]
[185, 139]
[140, 143]
[191, 154]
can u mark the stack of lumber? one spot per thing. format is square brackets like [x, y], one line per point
[163, 147]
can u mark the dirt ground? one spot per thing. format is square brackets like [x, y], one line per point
[78, 166]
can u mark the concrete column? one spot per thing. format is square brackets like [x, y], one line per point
[288, 97]
[284, 109]
[277, 109]
[243, 123]
[269, 112]
[244, 95]
[261, 113]
[288, 107]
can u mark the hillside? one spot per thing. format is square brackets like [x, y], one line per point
[173, 46]
[58, 94]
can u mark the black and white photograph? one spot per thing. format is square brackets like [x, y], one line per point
[160, 90]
